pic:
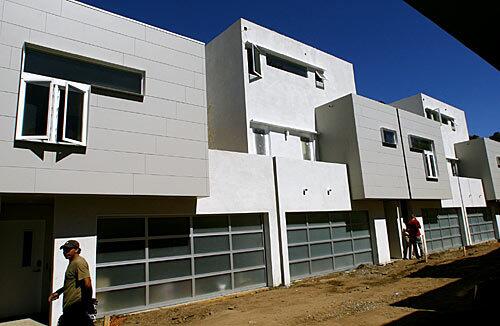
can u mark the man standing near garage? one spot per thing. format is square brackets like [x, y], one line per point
[413, 227]
[77, 289]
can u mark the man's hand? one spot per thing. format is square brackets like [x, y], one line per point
[53, 296]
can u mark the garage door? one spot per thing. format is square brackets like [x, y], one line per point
[442, 229]
[319, 243]
[480, 225]
[149, 262]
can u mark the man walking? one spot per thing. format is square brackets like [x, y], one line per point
[77, 289]
[413, 227]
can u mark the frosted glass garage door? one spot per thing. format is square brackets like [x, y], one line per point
[442, 229]
[320, 243]
[145, 262]
[480, 225]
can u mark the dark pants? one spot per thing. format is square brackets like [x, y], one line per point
[75, 315]
[414, 242]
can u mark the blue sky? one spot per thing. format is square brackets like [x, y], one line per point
[395, 51]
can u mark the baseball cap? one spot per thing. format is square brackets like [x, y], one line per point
[70, 244]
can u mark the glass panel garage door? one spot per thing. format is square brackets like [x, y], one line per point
[442, 229]
[320, 243]
[156, 261]
[480, 225]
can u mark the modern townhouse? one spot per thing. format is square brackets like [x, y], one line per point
[105, 130]
[471, 176]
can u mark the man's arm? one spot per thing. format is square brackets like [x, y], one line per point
[55, 295]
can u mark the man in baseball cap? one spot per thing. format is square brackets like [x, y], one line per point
[77, 289]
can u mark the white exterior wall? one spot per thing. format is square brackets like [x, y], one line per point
[283, 98]
[450, 137]
[243, 183]
[305, 186]
[154, 147]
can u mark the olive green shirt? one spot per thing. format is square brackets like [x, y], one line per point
[77, 270]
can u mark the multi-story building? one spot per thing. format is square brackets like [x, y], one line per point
[104, 139]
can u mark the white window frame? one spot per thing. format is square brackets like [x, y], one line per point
[430, 161]
[252, 70]
[55, 86]
[319, 79]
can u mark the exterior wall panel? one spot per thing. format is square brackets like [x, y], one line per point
[125, 136]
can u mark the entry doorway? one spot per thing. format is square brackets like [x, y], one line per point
[22, 252]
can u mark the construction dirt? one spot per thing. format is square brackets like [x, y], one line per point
[453, 286]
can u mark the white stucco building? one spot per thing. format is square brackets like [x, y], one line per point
[188, 171]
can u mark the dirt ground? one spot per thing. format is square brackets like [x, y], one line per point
[449, 287]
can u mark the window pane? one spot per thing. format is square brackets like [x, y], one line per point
[322, 265]
[319, 234]
[169, 269]
[169, 291]
[261, 144]
[211, 264]
[210, 224]
[246, 222]
[121, 299]
[248, 259]
[295, 219]
[342, 247]
[300, 252]
[247, 241]
[299, 269]
[77, 70]
[74, 114]
[120, 251]
[341, 232]
[169, 247]
[344, 261]
[322, 249]
[36, 109]
[212, 284]
[120, 228]
[248, 278]
[211, 244]
[119, 275]
[286, 65]
[297, 236]
[319, 219]
[168, 226]
[362, 244]
[364, 258]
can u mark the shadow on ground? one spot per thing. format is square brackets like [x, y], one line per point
[472, 298]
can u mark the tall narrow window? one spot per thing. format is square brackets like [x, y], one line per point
[261, 142]
[253, 57]
[430, 165]
[307, 149]
[320, 79]
[454, 167]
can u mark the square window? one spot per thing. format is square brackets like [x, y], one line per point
[389, 137]
[52, 110]
[431, 114]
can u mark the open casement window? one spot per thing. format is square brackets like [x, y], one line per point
[253, 56]
[33, 120]
[52, 110]
[320, 79]
[430, 165]
[431, 114]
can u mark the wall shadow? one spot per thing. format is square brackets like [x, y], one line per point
[472, 298]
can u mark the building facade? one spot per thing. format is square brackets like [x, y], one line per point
[188, 171]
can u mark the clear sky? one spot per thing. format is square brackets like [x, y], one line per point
[396, 52]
